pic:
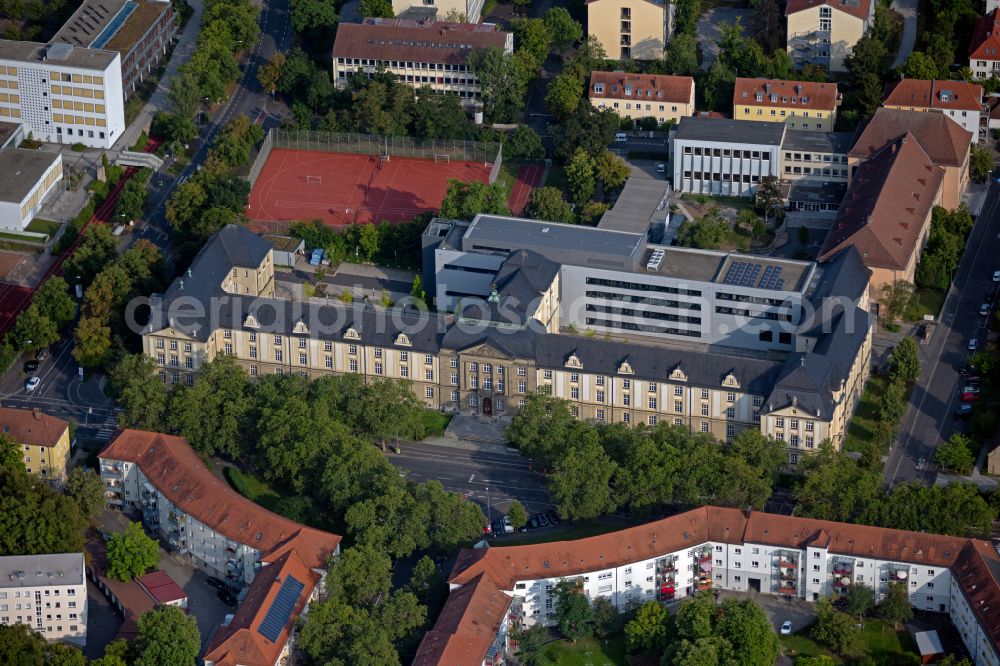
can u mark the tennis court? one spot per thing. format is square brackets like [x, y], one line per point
[349, 188]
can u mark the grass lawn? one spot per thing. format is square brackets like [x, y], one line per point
[508, 174]
[565, 532]
[40, 226]
[294, 507]
[585, 652]
[878, 640]
[252, 488]
[862, 426]
[435, 422]
[925, 302]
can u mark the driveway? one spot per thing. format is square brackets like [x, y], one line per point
[708, 29]
[801, 613]
[908, 10]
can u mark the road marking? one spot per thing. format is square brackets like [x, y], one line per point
[471, 477]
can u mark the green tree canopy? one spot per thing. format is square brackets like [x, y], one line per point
[648, 630]
[84, 486]
[465, 200]
[131, 553]
[547, 203]
[956, 454]
[573, 612]
[132, 381]
[34, 518]
[904, 361]
[834, 630]
[167, 637]
[580, 176]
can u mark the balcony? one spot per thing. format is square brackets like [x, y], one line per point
[788, 587]
[897, 573]
[111, 470]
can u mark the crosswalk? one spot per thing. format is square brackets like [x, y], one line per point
[107, 429]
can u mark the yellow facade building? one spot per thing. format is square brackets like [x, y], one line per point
[637, 96]
[823, 32]
[802, 105]
[631, 29]
[43, 439]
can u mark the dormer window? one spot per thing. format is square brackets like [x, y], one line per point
[598, 87]
[759, 97]
[628, 90]
[774, 99]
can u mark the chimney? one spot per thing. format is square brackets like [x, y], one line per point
[798, 88]
[767, 87]
[37, 413]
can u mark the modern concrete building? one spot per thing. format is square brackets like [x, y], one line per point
[30, 176]
[47, 592]
[815, 156]
[959, 100]
[662, 97]
[823, 32]
[44, 440]
[944, 141]
[418, 54]
[722, 157]
[631, 29]
[496, 591]
[802, 105]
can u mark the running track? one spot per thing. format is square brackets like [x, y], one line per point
[529, 177]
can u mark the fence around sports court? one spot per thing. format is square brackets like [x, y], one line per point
[440, 150]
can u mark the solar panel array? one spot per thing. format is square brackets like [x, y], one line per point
[280, 612]
[746, 274]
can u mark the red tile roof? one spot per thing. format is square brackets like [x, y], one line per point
[804, 94]
[161, 587]
[857, 8]
[985, 42]
[934, 94]
[467, 626]
[240, 643]
[946, 142]
[886, 205]
[401, 39]
[173, 467]
[475, 609]
[654, 87]
[31, 426]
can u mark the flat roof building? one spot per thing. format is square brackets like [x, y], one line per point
[433, 54]
[29, 177]
[60, 579]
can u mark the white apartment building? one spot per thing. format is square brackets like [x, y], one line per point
[717, 156]
[46, 592]
[728, 549]
[62, 94]
[959, 100]
[29, 177]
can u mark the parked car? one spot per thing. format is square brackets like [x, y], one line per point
[661, 167]
[973, 344]
[498, 527]
[984, 309]
[963, 411]
[996, 276]
[542, 520]
[970, 396]
[487, 529]
[226, 597]
[30, 366]
[506, 526]
[32, 384]
[553, 518]
[786, 627]
[41, 354]
[622, 137]
[533, 522]
[216, 583]
[921, 463]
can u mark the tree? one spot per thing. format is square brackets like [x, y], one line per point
[743, 624]
[767, 24]
[131, 553]
[718, 87]
[896, 299]
[859, 600]
[11, 456]
[707, 232]
[54, 301]
[132, 381]
[547, 203]
[904, 361]
[359, 575]
[465, 200]
[920, 66]
[611, 170]
[647, 631]
[768, 199]
[682, 55]
[530, 643]
[211, 414]
[895, 607]
[573, 614]
[376, 8]
[517, 515]
[84, 486]
[33, 330]
[981, 163]
[580, 176]
[605, 619]
[317, 17]
[503, 80]
[34, 518]
[580, 482]
[564, 94]
[269, 74]
[429, 586]
[956, 454]
[534, 39]
[92, 342]
[833, 629]
[167, 637]
[818, 660]
[564, 30]
[20, 645]
[592, 211]
[523, 143]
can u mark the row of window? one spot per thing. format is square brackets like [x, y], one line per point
[407, 64]
[816, 157]
[793, 424]
[726, 152]
[816, 171]
[717, 176]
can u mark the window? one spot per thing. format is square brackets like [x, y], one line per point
[378, 368]
[454, 396]
[428, 392]
[652, 387]
[574, 393]
[522, 387]
[704, 426]
[678, 406]
[278, 356]
[793, 424]
[678, 391]
[730, 430]
[574, 377]
[758, 400]
[429, 375]
[353, 365]
[626, 399]
[600, 380]
[730, 412]
[809, 426]
[626, 384]
[453, 362]
[599, 396]
[704, 410]
[328, 346]
[651, 420]
[626, 417]
[277, 339]
[303, 359]
[779, 422]
[428, 359]
[730, 397]
[404, 356]
[599, 414]
[472, 401]
[704, 394]
[521, 372]
[547, 374]
[378, 353]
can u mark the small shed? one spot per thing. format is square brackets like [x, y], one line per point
[929, 645]
[286, 249]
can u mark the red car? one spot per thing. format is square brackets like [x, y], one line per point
[969, 397]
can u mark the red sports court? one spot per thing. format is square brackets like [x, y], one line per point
[349, 188]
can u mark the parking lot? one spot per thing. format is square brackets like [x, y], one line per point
[778, 609]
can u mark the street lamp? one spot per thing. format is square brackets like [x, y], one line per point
[489, 515]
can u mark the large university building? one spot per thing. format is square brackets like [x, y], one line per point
[497, 590]
[46, 592]
[516, 339]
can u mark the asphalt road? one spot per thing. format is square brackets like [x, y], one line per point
[929, 417]
[470, 472]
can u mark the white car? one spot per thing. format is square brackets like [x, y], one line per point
[984, 309]
[661, 167]
[921, 463]
[973, 344]
[786, 627]
[507, 527]
[32, 384]
[996, 276]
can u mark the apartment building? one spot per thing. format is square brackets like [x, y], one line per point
[512, 334]
[495, 591]
[466, 11]
[31, 176]
[802, 105]
[44, 439]
[47, 592]
[723, 157]
[418, 54]
[139, 30]
[984, 57]
[631, 29]
[943, 140]
[62, 94]
[663, 97]
[886, 214]
[823, 32]
[959, 100]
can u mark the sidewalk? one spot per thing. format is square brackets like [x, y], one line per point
[468, 445]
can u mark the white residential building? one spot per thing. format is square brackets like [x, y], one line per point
[46, 592]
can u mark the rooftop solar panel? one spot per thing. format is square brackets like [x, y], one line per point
[280, 612]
